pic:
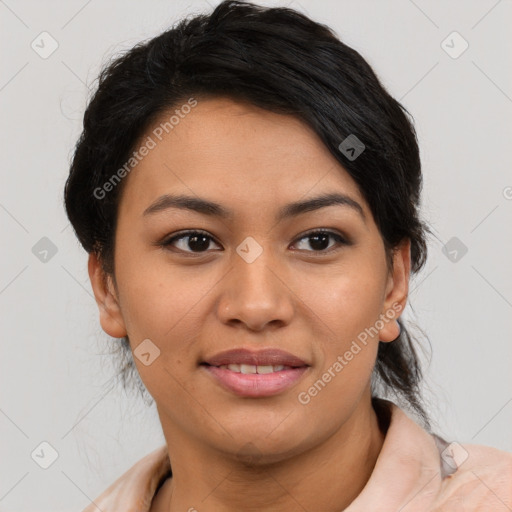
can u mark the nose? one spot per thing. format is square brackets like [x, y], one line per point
[256, 294]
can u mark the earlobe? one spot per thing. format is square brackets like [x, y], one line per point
[396, 292]
[111, 319]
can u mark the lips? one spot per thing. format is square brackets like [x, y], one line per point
[255, 374]
[267, 357]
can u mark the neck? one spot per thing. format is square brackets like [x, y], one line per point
[327, 477]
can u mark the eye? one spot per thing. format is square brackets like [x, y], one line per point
[319, 240]
[198, 241]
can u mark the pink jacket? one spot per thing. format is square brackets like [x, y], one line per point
[415, 472]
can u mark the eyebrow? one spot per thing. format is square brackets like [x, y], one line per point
[210, 208]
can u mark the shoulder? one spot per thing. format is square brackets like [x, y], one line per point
[135, 489]
[441, 476]
[480, 480]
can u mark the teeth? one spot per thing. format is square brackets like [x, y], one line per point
[247, 368]
[250, 368]
[265, 369]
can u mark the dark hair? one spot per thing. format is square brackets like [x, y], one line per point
[282, 61]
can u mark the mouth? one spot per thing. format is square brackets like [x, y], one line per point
[262, 357]
[251, 369]
[255, 374]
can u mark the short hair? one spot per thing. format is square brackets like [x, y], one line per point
[280, 60]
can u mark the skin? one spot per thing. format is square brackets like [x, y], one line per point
[237, 453]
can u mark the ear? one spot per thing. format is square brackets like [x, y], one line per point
[397, 289]
[111, 318]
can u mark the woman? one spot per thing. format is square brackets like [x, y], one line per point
[248, 194]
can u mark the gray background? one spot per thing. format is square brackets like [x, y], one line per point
[55, 374]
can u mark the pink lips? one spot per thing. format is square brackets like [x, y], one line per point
[272, 356]
[254, 384]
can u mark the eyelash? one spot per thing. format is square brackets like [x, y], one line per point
[340, 240]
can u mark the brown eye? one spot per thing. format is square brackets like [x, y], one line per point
[319, 240]
[198, 241]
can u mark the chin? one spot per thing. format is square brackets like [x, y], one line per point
[261, 443]
[261, 452]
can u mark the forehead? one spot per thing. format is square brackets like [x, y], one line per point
[235, 153]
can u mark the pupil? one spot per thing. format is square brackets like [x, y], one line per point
[198, 246]
[322, 245]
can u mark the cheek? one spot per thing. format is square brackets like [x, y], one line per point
[165, 309]
[166, 305]
[345, 300]
[343, 306]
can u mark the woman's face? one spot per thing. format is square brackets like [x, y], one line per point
[251, 280]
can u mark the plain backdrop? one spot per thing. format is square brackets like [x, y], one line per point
[54, 369]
